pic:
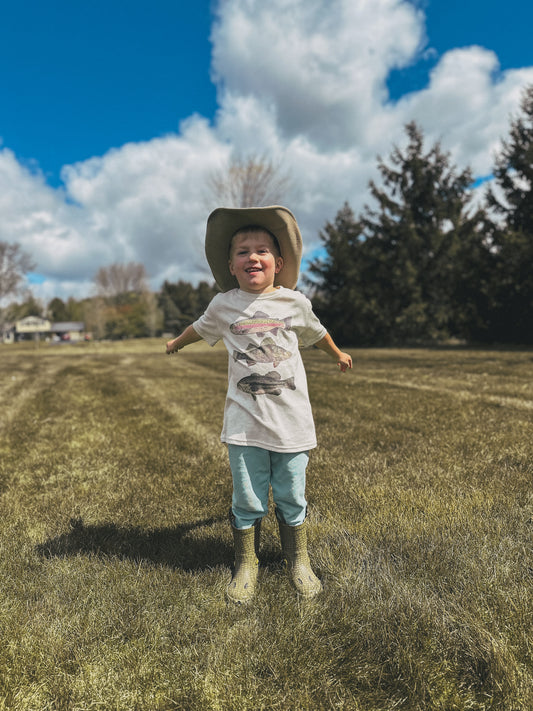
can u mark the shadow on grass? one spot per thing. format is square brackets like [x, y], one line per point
[178, 547]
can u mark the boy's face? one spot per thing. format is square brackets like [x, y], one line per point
[254, 261]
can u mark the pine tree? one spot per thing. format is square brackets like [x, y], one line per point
[424, 225]
[512, 201]
[395, 274]
[336, 279]
[181, 303]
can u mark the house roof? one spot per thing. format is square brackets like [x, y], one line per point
[64, 326]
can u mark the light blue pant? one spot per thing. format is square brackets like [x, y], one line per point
[254, 470]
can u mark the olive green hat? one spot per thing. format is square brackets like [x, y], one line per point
[222, 224]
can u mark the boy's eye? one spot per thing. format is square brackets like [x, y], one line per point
[243, 251]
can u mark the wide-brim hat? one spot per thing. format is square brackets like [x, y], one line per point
[222, 224]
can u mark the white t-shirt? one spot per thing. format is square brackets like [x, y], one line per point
[267, 403]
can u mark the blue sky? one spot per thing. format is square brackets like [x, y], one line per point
[82, 77]
[503, 27]
[79, 78]
[112, 112]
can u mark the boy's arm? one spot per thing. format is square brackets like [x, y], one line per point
[184, 339]
[326, 344]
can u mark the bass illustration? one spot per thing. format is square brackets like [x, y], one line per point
[267, 352]
[269, 384]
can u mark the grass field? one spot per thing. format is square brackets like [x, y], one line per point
[115, 549]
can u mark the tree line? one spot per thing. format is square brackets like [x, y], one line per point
[425, 262]
[123, 306]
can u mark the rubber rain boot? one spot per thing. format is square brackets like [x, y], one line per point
[294, 547]
[246, 541]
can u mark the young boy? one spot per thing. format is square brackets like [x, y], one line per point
[254, 254]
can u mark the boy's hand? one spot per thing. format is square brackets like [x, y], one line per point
[172, 347]
[326, 344]
[344, 362]
[184, 339]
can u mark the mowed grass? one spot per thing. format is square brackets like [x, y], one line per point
[115, 548]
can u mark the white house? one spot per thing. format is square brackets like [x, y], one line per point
[36, 327]
[32, 327]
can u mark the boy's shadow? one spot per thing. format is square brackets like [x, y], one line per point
[178, 547]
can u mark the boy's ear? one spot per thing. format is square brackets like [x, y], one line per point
[279, 265]
[231, 269]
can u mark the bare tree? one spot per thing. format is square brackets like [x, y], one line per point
[124, 306]
[94, 316]
[14, 264]
[121, 279]
[254, 181]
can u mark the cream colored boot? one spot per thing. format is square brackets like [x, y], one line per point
[246, 540]
[294, 546]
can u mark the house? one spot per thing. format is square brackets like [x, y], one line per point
[68, 331]
[32, 327]
[37, 328]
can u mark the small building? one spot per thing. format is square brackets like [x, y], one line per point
[8, 333]
[32, 327]
[37, 328]
[68, 330]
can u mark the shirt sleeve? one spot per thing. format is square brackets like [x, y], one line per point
[311, 330]
[208, 325]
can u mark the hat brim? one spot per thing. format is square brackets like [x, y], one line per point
[222, 224]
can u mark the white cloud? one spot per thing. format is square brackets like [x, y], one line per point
[302, 81]
[322, 69]
[39, 218]
[148, 199]
[143, 202]
[467, 105]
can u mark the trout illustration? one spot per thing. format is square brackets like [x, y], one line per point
[269, 384]
[268, 352]
[260, 323]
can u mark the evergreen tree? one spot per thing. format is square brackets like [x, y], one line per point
[512, 200]
[57, 310]
[182, 303]
[396, 273]
[340, 299]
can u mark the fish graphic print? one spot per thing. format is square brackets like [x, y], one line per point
[269, 384]
[267, 352]
[260, 323]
